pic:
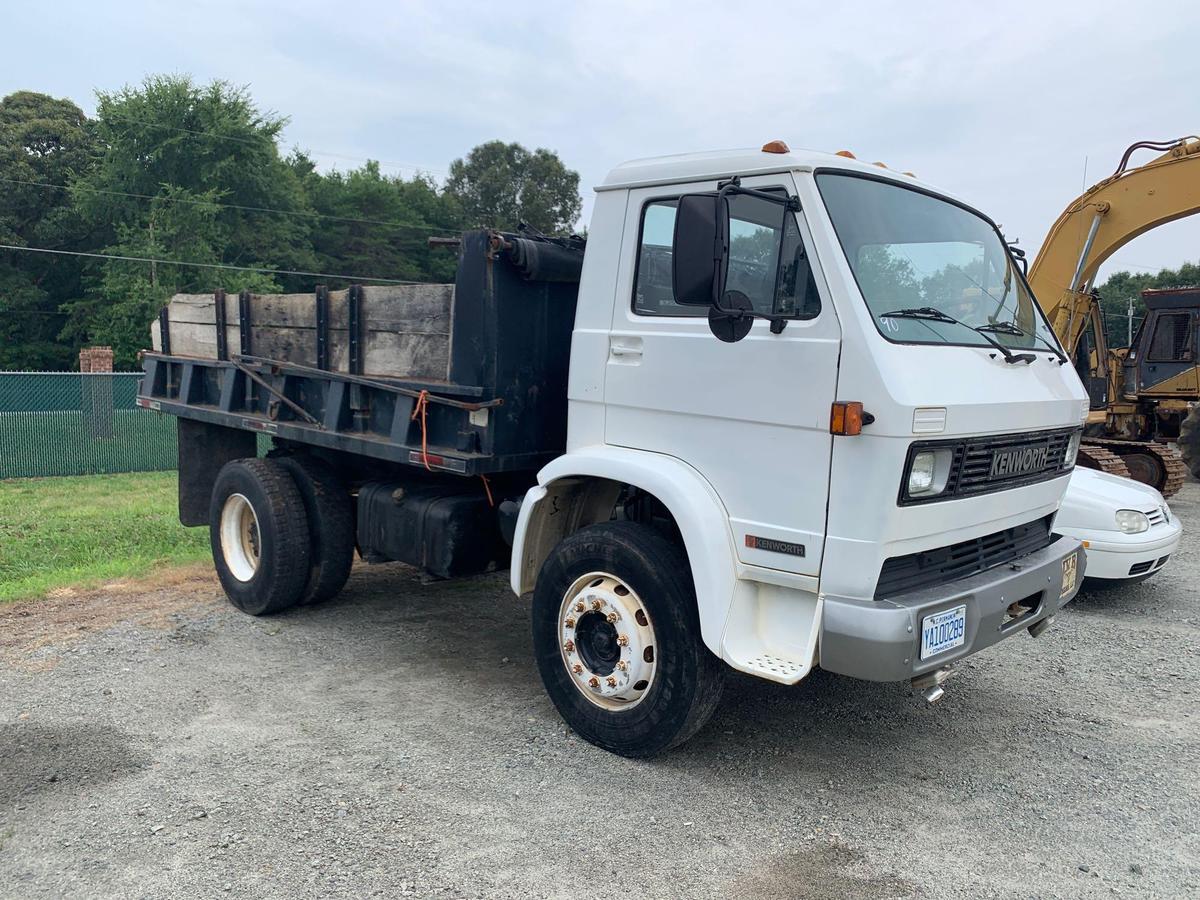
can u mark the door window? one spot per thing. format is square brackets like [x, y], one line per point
[1172, 338]
[767, 261]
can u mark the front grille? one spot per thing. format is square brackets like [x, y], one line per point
[1156, 517]
[1141, 568]
[971, 470]
[929, 568]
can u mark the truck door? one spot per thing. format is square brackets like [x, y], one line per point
[752, 417]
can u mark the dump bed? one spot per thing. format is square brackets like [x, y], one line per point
[469, 378]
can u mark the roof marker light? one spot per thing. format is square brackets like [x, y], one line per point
[776, 147]
[846, 153]
[880, 164]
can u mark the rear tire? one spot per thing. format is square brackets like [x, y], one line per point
[620, 587]
[330, 515]
[259, 536]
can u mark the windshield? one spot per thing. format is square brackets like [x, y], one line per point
[912, 251]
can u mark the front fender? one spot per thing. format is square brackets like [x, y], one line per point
[691, 500]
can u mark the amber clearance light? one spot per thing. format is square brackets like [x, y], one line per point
[775, 147]
[847, 418]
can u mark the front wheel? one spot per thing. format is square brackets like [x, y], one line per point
[616, 636]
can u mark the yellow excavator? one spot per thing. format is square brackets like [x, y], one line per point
[1146, 395]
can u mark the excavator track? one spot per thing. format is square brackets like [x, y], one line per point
[1159, 465]
[1092, 456]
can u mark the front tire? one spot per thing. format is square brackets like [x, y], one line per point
[259, 536]
[616, 636]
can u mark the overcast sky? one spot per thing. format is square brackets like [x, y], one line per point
[1002, 104]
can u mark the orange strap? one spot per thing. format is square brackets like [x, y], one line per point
[487, 487]
[420, 408]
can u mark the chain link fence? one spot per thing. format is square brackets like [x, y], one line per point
[70, 423]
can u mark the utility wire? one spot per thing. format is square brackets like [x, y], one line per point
[419, 226]
[178, 262]
[243, 140]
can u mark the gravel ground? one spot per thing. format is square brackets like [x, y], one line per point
[155, 743]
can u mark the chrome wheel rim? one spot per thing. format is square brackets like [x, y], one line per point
[607, 641]
[241, 542]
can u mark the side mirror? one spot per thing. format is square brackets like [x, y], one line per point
[699, 249]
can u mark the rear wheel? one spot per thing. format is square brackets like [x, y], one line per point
[259, 536]
[616, 636]
[330, 516]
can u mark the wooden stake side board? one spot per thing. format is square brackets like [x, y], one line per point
[405, 329]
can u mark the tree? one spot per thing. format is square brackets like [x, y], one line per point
[44, 144]
[184, 174]
[503, 185]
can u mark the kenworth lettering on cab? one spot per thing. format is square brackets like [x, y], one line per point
[784, 410]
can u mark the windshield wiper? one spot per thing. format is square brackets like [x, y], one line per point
[1010, 328]
[929, 312]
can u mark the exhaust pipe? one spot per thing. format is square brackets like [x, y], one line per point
[930, 684]
[1037, 628]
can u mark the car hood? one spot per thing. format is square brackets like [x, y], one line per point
[1093, 498]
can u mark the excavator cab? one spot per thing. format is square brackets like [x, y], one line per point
[1166, 347]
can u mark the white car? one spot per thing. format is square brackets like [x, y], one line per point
[1126, 527]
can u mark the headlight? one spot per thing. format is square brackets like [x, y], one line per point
[920, 473]
[1072, 451]
[1131, 521]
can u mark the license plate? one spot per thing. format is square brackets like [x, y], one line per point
[943, 631]
[1070, 572]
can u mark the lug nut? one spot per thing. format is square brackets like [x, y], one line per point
[612, 682]
[579, 607]
[569, 646]
[622, 665]
[623, 640]
[612, 617]
[570, 623]
[594, 682]
[577, 669]
[596, 604]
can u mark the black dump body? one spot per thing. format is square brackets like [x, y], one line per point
[502, 410]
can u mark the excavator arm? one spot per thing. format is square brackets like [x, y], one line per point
[1107, 216]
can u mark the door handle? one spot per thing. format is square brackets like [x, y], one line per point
[625, 349]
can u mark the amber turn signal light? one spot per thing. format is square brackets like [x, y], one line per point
[846, 418]
[846, 153]
[775, 147]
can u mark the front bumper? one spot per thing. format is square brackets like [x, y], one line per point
[879, 640]
[1112, 555]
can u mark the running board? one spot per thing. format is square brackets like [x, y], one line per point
[772, 631]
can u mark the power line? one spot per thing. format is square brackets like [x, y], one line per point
[179, 262]
[243, 140]
[419, 226]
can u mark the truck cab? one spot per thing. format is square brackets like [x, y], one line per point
[858, 441]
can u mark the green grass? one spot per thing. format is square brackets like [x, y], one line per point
[83, 531]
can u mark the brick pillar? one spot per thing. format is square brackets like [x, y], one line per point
[96, 359]
[96, 391]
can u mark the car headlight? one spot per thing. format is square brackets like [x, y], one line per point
[1072, 451]
[1131, 521]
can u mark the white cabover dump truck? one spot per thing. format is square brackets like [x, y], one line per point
[785, 410]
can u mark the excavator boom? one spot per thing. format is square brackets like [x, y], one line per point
[1107, 216]
[1091, 229]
